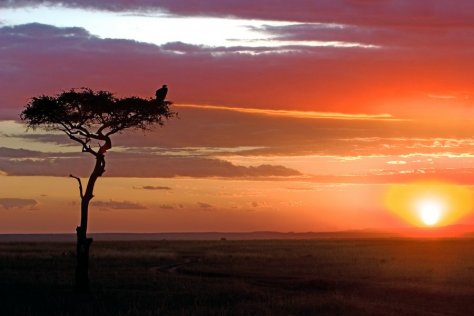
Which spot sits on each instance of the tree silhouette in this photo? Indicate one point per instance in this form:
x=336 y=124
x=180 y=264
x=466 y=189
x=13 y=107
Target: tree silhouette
x=91 y=118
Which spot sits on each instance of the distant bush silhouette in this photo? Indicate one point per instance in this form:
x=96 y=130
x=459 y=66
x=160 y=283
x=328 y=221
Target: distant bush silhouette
x=85 y=116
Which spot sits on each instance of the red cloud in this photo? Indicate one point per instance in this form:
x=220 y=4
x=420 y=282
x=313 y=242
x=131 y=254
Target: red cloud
x=39 y=59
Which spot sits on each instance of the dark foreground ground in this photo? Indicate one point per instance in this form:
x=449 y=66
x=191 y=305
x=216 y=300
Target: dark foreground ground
x=284 y=277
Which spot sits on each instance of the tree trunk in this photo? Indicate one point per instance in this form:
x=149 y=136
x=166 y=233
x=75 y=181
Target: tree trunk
x=84 y=243
x=82 y=267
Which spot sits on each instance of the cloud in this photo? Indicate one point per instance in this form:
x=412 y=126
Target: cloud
x=167 y=207
x=125 y=165
x=240 y=143
x=396 y=162
x=254 y=50
x=294 y=114
x=346 y=80
x=204 y=205
x=60 y=139
x=311 y=101
x=163 y=166
x=43 y=32
x=6 y=152
x=462 y=176
x=8 y=203
x=118 y=205
x=136 y=162
x=200 y=142
x=384 y=36
x=45 y=166
x=216 y=132
x=230 y=127
x=151 y=187
x=300 y=188
x=401 y=12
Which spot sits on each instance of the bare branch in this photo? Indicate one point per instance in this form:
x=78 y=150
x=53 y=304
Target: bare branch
x=85 y=147
x=104 y=126
x=80 y=185
x=81 y=130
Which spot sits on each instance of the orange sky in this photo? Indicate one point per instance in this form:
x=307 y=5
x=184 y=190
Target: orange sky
x=296 y=118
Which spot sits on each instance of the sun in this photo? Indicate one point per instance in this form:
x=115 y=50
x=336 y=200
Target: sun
x=430 y=211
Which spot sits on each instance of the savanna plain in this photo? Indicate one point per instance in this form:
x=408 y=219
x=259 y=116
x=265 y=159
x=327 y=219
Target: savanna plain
x=251 y=277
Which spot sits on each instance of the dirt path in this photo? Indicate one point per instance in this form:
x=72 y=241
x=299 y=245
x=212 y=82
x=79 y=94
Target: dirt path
x=172 y=268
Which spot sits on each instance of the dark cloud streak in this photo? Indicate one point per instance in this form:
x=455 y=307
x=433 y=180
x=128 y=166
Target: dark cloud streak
x=118 y=205
x=140 y=165
x=151 y=187
x=8 y=203
x=442 y=13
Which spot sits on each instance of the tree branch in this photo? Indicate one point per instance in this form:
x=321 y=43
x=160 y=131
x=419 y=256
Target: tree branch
x=85 y=147
x=81 y=130
x=106 y=146
x=80 y=185
x=102 y=128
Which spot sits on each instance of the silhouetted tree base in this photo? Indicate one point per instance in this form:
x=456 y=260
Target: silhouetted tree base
x=82 y=268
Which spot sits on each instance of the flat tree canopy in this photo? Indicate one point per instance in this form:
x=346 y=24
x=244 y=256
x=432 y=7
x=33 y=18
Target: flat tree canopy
x=86 y=114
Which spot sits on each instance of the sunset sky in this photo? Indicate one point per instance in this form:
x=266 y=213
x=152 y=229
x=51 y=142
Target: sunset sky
x=293 y=115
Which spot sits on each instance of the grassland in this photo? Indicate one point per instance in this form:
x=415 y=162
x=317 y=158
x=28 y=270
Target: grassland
x=262 y=277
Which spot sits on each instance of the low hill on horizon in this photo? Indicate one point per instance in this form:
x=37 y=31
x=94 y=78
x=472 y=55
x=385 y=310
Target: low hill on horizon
x=462 y=231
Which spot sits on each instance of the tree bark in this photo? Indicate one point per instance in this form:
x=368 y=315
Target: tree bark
x=83 y=242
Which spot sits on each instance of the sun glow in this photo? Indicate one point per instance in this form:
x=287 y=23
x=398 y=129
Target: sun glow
x=429 y=203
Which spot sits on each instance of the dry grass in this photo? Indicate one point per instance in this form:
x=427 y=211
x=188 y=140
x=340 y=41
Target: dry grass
x=285 y=277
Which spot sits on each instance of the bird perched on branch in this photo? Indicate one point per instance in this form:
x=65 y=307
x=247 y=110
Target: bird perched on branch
x=161 y=93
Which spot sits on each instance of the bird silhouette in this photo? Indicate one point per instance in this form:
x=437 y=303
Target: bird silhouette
x=161 y=93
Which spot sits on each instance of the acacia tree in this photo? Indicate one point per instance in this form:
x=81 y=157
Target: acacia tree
x=90 y=118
